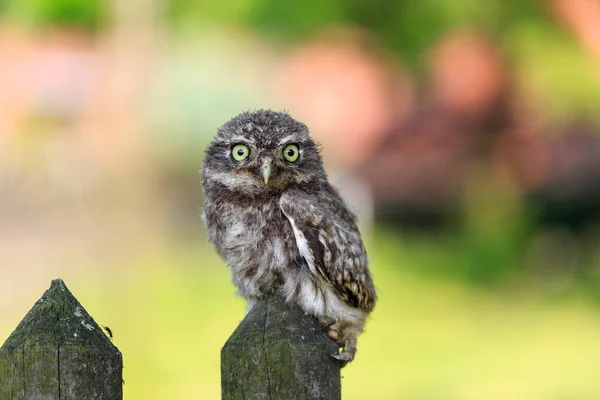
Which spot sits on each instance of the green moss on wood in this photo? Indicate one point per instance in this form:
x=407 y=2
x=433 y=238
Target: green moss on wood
x=58 y=351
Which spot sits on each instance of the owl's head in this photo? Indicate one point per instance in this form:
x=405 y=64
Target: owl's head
x=262 y=151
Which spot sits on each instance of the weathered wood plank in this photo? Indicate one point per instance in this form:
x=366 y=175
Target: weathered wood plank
x=278 y=352
x=59 y=352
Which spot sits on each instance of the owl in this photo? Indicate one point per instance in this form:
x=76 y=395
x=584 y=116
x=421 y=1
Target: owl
x=282 y=228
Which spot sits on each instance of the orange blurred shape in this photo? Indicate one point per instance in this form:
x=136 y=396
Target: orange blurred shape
x=583 y=18
x=345 y=90
x=466 y=71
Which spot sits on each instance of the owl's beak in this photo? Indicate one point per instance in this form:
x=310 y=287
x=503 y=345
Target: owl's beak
x=265 y=168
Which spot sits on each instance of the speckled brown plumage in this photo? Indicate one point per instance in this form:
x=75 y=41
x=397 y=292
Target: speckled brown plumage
x=283 y=229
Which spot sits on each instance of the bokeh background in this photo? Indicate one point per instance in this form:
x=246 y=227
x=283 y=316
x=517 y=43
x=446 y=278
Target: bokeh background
x=465 y=135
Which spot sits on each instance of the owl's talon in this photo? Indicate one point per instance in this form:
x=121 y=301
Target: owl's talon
x=344 y=358
x=329 y=323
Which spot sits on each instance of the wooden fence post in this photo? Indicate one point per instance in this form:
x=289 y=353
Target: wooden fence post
x=278 y=352
x=59 y=352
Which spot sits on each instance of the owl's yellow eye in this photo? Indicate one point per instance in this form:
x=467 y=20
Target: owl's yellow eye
x=291 y=152
x=240 y=152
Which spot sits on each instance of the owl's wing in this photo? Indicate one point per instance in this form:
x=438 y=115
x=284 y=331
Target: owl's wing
x=328 y=239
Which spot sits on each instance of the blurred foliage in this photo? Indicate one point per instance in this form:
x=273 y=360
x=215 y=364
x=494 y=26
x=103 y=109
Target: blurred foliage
x=406 y=27
x=481 y=255
x=545 y=58
x=560 y=74
x=89 y=14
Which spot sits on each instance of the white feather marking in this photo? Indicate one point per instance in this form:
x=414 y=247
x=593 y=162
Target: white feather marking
x=311 y=301
x=233 y=181
x=242 y=139
x=289 y=287
x=288 y=138
x=303 y=247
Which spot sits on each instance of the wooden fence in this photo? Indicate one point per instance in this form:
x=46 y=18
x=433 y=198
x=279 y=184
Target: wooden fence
x=279 y=353
x=58 y=352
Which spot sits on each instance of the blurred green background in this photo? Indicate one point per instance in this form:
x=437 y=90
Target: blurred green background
x=465 y=135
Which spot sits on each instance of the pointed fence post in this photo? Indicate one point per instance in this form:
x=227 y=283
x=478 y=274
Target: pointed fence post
x=58 y=352
x=278 y=352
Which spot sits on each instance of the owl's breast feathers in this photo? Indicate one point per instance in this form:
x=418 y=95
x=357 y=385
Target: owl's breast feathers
x=253 y=236
x=260 y=239
x=329 y=240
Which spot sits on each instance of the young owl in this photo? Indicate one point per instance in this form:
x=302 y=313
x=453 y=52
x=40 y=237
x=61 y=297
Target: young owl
x=283 y=229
